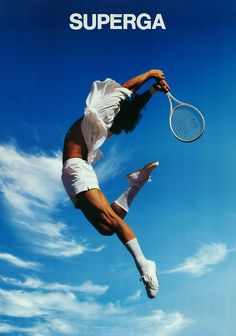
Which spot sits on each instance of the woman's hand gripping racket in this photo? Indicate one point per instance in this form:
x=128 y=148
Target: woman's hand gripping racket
x=186 y=121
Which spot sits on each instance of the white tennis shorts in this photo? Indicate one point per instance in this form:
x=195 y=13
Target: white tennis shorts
x=78 y=176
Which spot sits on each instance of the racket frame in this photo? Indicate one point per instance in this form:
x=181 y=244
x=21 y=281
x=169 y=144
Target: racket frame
x=179 y=103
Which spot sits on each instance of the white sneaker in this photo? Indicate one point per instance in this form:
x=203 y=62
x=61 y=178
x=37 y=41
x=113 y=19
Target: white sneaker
x=142 y=175
x=150 y=280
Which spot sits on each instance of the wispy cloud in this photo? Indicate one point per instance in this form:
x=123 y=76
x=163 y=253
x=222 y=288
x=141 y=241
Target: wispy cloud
x=135 y=297
x=207 y=256
x=18 y=262
x=62 y=313
x=6 y=328
x=112 y=165
x=47 y=328
x=25 y=304
x=33 y=192
x=35 y=283
x=29 y=181
x=53 y=238
x=159 y=323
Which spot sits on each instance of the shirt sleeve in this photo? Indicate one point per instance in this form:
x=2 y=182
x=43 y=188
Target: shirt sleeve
x=104 y=100
x=102 y=105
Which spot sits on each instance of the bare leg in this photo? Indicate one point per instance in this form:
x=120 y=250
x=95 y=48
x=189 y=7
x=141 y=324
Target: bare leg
x=99 y=212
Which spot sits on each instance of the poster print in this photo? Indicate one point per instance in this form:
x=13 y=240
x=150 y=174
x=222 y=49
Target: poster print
x=59 y=276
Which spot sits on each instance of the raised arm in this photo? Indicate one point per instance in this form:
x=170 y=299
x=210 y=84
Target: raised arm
x=130 y=109
x=160 y=85
x=135 y=83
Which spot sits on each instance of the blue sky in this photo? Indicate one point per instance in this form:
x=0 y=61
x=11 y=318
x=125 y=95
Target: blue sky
x=58 y=276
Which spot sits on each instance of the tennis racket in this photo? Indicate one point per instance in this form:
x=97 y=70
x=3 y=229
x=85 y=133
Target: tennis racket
x=186 y=121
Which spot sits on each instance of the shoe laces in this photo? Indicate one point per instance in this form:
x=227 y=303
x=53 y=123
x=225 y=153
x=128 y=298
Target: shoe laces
x=147 y=280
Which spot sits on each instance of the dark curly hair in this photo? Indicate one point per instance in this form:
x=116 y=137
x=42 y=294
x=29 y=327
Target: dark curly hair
x=129 y=115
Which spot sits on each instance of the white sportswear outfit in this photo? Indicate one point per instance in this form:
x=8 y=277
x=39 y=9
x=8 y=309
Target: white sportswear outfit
x=102 y=105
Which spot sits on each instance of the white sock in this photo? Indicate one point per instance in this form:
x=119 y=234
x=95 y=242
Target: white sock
x=125 y=200
x=135 y=250
x=136 y=181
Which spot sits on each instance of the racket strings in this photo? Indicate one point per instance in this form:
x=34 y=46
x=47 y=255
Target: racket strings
x=187 y=123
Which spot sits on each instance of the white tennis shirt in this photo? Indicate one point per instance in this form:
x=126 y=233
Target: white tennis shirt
x=102 y=105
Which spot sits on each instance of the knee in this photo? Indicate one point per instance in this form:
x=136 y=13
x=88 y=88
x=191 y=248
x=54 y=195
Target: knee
x=105 y=231
x=109 y=223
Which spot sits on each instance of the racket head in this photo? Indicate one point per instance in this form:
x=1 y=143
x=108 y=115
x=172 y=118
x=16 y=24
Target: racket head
x=186 y=122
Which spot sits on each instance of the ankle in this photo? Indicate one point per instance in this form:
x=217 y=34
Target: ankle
x=141 y=263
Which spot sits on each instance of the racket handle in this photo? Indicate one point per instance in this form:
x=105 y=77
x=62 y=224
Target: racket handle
x=165 y=91
x=158 y=82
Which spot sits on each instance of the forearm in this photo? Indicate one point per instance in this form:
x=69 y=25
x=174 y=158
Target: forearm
x=135 y=83
x=144 y=97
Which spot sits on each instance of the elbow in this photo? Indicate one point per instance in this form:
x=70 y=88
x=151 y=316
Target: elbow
x=129 y=87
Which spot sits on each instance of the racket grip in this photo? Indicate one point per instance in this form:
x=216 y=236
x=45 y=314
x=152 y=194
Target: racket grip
x=153 y=90
x=159 y=82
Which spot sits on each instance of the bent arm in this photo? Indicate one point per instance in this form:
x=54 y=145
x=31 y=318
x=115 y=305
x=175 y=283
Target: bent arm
x=144 y=97
x=135 y=83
